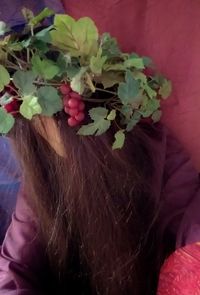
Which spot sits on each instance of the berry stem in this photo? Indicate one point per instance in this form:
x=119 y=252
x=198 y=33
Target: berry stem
x=107 y=91
x=12 y=88
x=40 y=83
x=97 y=99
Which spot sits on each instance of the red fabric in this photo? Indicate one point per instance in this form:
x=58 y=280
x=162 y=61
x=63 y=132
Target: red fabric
x=168 y=31
x=180 y=274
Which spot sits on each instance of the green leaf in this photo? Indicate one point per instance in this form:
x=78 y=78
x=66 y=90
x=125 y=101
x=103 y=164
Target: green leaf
x=15 y=46
x=41 y=46
x=149 y=107
x=114 y=67
x=44 y=67
x=30 y=107
x=97 y=62
x=77 y=83
x=26 y=43
x=3 y=28
x=46 y=12
x=151 y=93
x=88 y=129
x=44 y=35
x=77 y=37
x=109 y=79
x=166 y=89
x=129 y=90
x=3 y=55
x=49 y=100
x=98 y=113
x=119 y=140
x=137 y=75
x=6 y=121
x=100 y=124
x=136 y=62
x=4 y=77
x=24 y=82
x=89 y=82
x=156 y=116
x=133 y=121
x=72 y=71
x=97 y=128
x=127 y=111
x=67 y=66
x=147 y=61
x=109 y=46
x=112 y=115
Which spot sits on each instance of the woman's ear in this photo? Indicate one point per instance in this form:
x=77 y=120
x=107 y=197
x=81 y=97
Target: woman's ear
x=48 y=129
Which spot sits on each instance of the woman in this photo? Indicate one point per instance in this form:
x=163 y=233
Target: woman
x=99 y=222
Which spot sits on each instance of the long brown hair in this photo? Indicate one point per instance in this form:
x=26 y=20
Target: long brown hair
x=95 y=208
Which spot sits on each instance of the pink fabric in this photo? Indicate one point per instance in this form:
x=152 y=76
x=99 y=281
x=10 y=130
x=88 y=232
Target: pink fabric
x=180 y=274
x=168 y=31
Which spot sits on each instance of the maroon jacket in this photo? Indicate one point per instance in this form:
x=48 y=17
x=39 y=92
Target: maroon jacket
x=22 y=260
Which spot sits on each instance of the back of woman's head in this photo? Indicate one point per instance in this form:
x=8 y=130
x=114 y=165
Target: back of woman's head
x=95 y=206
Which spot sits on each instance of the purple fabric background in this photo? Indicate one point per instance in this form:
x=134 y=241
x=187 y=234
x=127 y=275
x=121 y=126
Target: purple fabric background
x=10 y=11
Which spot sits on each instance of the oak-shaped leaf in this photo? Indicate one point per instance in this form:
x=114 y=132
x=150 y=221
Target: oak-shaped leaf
x=79 y=38
x=109 y=45
x=99 y=125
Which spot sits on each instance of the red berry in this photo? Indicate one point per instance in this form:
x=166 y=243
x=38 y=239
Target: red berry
x=80 y=117
x=65 y=100
x=13 y=106
x=66 y=109
x=81 y=106
x=8 y=107
x=66 y=97
x=73 y=112
x=65 y=89
x=72 y=122
x=73 y=103
x=75 y=95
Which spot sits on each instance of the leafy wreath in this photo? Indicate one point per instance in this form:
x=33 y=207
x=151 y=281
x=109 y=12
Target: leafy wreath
x=46 y=69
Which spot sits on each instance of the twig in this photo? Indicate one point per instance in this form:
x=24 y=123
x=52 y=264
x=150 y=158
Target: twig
x=12 y=88
x=40 y=83
x=28 y=55
x=107 y=91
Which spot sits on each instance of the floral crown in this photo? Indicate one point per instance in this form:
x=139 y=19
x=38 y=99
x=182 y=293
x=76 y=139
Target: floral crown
x=67 y=66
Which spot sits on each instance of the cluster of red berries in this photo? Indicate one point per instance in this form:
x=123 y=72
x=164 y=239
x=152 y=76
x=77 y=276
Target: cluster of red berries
x=73 y=105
